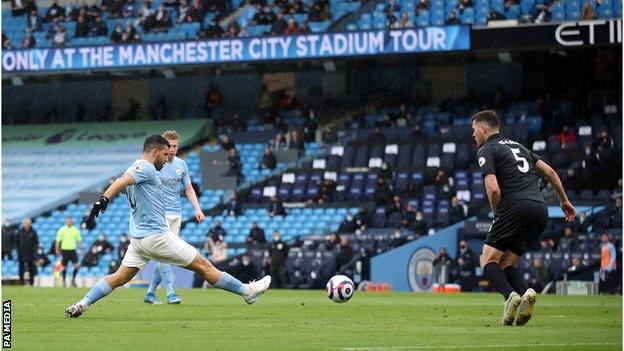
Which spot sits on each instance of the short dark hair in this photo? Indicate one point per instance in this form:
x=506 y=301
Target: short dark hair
x=488 y=117
x=155 y=142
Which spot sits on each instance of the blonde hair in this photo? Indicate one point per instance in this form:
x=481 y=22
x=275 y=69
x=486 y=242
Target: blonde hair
x=171 y=134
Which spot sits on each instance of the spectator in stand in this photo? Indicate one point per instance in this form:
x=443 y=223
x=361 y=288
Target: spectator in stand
x=82 y=27
x=386 y=172
x=217 y=250
x=393 y=6
x=316 y=13
x=276 y=208
x=582 y=225
x=116 y=9
x=215 y=232
x=158 y=21
x=122 y=248
x=569 y=240
x=195 y=14
x=236 y=166
x=326 y=190
x=466 y=265
x=256 y=235
x=608 y=265
x=305 y=28
x=296 y=142
x=579 y=271
x=615 y=219
x=29 y=41
x=361 y=218
x=566 y=136
x=278 y=252
x=234 y=208
x=33 y=21
x=382 y=194
x=393 y=23
x=348 y=225
x=130 y=9
x=332 y=241
x=464 y=4
x=278 y=143
x=396 y=206
x=99 y=28
x=452 y=18
x=91 y=258
x=102 y=245
x=60 y=36
x=310 y=125
x=377 y=137
x=540 y=275
x=18 y=7
x=233 y=30
x=268 y=161
x=144 y=12
x=279 y=125
x=422 y=5
x=408 y=216
x=280 y=24
x=117 y=35
x=6 y=42
x=441 y=181
x=226 y=143
x=26 y=243
x=419 y=225
x=456 y=211
x=246 y=271
x=292 y=27
x=406 y=22
x=417 y=134
x=8 y=241
x=345 y=256
x=130 y=35
x=588 y=12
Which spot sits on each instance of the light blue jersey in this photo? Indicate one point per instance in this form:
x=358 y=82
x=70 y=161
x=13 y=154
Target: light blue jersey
x=171 y=175
x=147 y=204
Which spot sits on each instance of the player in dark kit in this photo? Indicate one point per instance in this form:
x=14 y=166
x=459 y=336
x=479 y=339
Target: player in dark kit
x=511 y=173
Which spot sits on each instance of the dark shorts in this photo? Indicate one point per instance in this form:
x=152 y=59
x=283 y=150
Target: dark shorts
x=516 y=225
x=69 y=256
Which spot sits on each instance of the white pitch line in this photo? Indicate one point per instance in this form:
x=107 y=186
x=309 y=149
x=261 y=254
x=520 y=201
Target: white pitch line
x=456 y=347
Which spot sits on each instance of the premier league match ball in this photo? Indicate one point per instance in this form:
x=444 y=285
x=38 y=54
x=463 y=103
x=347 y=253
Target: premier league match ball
x=340 y=288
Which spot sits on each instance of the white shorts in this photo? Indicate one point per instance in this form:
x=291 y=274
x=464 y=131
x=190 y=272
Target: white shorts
x=166 y=248
x=174 y=222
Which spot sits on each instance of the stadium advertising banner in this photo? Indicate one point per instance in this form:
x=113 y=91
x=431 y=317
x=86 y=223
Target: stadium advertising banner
x=549 y=35
x=94 y=134
x=328 y=45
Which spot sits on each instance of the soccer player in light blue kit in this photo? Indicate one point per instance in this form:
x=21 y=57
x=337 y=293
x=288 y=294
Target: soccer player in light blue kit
x=172 y=174
x=150 y=237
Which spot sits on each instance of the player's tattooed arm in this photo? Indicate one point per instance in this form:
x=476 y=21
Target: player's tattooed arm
x=566 y=206
x=493 y=191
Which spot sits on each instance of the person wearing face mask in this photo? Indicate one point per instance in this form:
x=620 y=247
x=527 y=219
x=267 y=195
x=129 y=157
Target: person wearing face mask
x=91 y=258
x=245 y=270
x=278 y=252
x=348 y=225
x=123 y=246
x=466 y=264
x=419 y=225
x=102 y=245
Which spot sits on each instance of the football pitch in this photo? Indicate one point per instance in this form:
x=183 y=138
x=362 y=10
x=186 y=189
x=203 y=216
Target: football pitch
x=307 y=320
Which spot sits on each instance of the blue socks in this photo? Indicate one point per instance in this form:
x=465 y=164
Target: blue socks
x=98 y=291
x=231 y=284
x=156 y=279
x=164 y=274
x=167 y=277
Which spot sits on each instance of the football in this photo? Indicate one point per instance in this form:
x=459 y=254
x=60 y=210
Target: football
x=340 y=288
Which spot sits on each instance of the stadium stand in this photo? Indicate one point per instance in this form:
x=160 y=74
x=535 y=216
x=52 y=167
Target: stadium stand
x=156 y=21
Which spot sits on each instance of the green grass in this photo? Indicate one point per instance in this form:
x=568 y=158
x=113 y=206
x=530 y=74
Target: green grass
x=307 y=320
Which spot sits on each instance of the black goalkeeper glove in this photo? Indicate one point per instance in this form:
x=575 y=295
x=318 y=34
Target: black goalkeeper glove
x=99 y=206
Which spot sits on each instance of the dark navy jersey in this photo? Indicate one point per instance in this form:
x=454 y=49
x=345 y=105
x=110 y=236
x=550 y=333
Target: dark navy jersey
x=514 y=167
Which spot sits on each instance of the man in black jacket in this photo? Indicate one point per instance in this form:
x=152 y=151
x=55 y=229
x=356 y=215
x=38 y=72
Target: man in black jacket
x=456 y=211
x=269 y=161
x=27 y=242
x=234 y=207
x=8 y=240
x=256 y=235
x=278 y=252
x=276 y=208
x=466 y=264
